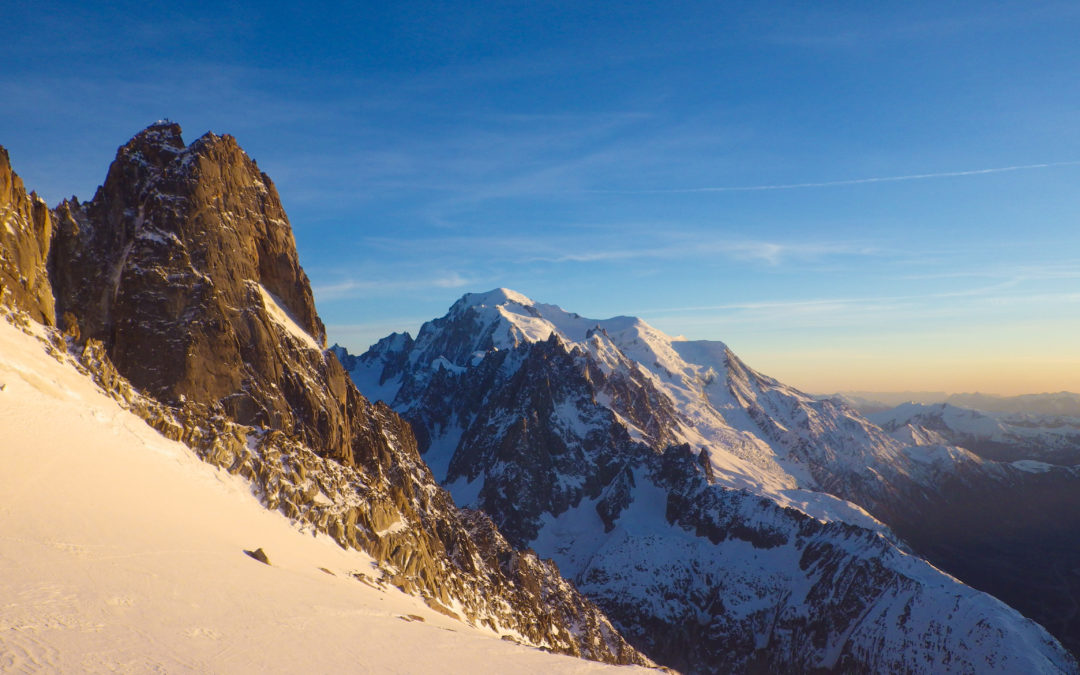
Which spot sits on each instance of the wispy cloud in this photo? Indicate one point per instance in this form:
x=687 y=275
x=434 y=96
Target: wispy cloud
x=590 y=243
x=1016 y=273
x=904 y=312
x=369 y=287
x=851 y=181
x=772 y=253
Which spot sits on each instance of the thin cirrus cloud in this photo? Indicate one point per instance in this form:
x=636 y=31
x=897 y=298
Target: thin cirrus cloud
x=772 y=253
x=585 y=249
x=852 y=181
x=1069 y=269
x=371 y=287
x=853 y=311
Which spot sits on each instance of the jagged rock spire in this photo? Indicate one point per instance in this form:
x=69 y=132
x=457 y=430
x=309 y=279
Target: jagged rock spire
x=184 y=265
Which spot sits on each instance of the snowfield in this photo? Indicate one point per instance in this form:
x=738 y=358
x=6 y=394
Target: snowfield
x=120 y=551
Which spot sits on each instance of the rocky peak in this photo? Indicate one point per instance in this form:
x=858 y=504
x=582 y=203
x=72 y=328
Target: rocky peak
x=160 y=138
x=184 y=266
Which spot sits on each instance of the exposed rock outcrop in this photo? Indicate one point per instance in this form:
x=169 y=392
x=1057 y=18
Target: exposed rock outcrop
x=25 y=237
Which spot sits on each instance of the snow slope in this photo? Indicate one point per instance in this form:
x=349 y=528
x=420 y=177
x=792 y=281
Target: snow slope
x=284 y=319
x=120 y=551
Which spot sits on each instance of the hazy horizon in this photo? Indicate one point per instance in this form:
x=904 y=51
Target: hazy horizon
x=852 y=198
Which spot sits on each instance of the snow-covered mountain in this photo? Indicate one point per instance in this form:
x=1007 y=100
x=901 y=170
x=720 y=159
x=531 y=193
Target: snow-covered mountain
x=756 y=433
x=1000 y=436
x=719 y=517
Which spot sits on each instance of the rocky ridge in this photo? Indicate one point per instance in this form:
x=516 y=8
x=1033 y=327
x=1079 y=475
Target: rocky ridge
x=180 y=293
x=702 y=505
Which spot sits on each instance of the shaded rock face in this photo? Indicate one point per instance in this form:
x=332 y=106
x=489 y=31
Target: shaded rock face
x=25 y=236
x=518 y=455
x=182 y=297
x=1017 y=538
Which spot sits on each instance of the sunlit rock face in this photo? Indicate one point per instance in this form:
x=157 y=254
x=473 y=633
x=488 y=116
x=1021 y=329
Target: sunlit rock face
x=25 y=237
x=184 y=266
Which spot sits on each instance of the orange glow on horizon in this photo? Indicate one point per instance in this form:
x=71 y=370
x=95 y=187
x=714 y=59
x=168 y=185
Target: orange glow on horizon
x=832 y=373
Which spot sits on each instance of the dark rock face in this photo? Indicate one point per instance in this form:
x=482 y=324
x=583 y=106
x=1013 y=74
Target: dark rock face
x=25 y=236
x=182 y=297
x=523 y=460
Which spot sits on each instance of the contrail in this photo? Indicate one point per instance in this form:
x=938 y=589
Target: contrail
x=853 y=181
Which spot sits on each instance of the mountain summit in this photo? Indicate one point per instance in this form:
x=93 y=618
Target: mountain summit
x=184 y=266
x=751 y=430
x=721 y=518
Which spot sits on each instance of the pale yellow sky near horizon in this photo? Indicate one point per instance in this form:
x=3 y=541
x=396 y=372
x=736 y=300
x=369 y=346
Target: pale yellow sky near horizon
x=832 y=372
x=1033 y=354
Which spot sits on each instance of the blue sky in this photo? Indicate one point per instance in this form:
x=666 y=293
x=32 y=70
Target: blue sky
x=595 y=155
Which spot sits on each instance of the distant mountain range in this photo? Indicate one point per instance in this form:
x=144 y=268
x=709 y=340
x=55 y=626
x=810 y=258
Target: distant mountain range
x=1062 y=403
x=1000 y=436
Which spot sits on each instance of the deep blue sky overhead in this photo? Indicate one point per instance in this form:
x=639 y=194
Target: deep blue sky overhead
x=585 y=154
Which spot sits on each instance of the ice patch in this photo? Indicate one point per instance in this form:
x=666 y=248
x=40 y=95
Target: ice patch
x=276 y=309
x=1032 y=466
